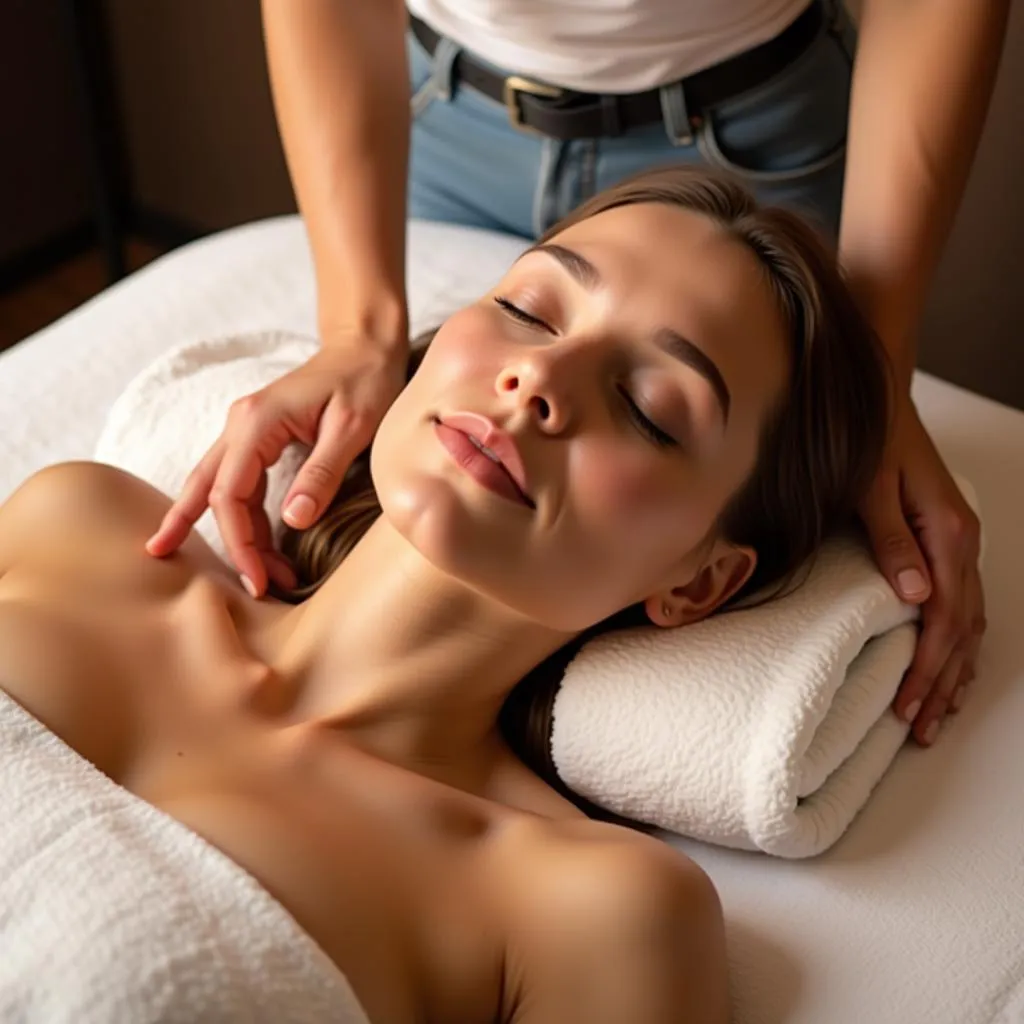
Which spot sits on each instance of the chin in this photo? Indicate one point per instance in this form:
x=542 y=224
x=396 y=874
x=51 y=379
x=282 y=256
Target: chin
x=463 y=533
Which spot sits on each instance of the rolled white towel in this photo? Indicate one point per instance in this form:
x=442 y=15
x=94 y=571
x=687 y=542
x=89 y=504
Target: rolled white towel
x=764 y=728
x=761 y=728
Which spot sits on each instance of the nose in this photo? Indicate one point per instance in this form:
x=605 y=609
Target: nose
x=546 y=380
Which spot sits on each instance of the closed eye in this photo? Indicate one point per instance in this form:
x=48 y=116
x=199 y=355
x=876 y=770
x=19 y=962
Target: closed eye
x=652 y=430
x=521 y=315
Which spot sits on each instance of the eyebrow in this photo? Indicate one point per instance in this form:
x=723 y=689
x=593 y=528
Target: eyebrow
x=671 y=342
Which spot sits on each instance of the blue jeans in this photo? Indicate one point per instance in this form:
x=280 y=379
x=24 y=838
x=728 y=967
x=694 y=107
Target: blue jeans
x=786 y=139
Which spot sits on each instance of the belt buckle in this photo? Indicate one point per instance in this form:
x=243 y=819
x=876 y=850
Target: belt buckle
x=514 y=85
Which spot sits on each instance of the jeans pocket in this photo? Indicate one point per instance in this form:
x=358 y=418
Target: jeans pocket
x=789 y=130
x=713 y=153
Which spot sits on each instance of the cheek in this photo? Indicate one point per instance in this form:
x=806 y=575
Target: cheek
x=635 y=514
x=458 y=351
x=612 y=487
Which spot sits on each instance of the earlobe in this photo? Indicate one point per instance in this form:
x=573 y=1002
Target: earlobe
x=724 y=573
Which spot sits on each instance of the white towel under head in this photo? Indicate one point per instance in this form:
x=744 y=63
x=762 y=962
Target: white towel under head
x=764 y=728
x=761 y=729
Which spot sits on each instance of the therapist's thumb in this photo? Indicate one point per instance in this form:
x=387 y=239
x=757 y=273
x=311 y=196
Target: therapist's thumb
x=320 y=476
x=896 y=549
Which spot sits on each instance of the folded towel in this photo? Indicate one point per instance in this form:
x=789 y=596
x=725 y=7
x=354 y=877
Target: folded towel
x=761 y=728
x=764 y=728
x=164 y=422
x=110 y=910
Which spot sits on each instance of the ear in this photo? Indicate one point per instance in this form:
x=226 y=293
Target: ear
x=724 y=571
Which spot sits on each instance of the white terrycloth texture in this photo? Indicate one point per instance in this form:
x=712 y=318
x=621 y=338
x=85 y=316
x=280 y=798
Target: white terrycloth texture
x=110 y=910
x=916 y=913
x=175 y=409
x=763 y=729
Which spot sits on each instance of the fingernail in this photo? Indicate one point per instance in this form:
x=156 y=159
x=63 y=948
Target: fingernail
x=248 y=584
x=958 y=697
x=911 y=583
x=299 y=511
x=931 y=732
x=912 y=710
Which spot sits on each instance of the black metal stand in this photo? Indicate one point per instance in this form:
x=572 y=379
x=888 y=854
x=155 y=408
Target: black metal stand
x=101 y=120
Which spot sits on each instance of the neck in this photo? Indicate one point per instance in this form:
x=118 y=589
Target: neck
x=404 y=657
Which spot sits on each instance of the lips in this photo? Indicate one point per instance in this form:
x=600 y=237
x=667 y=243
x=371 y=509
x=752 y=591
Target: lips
x=493 y=445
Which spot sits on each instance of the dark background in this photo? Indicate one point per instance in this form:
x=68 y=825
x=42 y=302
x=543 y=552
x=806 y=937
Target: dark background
x=150 y=123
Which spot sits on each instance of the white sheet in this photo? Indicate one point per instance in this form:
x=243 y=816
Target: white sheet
x=917 y=914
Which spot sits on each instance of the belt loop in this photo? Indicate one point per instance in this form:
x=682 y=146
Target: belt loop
x=833 y=11
x=675 y=114
x=610 y=116
x=442 y=74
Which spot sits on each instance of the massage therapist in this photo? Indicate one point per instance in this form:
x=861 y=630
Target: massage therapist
x=505 y=115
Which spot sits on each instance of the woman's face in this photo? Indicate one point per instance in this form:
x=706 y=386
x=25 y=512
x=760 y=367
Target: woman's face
x=631 y=364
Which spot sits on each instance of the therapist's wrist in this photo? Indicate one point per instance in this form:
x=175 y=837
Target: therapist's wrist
x=893 y=318
x=381 y=322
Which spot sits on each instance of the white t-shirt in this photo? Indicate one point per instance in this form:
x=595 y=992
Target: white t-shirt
x=613 y=46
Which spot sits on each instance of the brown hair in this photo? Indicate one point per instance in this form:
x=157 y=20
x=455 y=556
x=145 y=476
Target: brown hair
x=818 y=452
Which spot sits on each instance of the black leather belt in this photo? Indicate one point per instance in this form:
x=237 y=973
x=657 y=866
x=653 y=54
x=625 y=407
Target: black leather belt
x=565 y=114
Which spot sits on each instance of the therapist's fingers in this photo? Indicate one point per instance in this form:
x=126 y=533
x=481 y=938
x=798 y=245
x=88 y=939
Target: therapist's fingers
x=976 y=611
x=895 y=546
x=342 y=434
x=280 y=570
x=251 y=445
x=189 y=506
x=940 y=635
x=277 y=566
x=946 y=633
x=928 y=723
x=973 y=587
x=966 y=678
x=240 y=478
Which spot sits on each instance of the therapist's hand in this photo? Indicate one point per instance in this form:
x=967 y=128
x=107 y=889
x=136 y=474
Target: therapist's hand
x=333 y=404
x=926 y=539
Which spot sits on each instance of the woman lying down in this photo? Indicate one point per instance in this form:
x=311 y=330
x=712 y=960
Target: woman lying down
x=666 y=404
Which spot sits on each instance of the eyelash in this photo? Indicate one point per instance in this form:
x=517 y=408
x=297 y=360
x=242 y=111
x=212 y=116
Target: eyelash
x=651 y=430
x=519 y=314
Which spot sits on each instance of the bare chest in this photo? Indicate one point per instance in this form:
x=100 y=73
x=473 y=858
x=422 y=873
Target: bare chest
x=397 y=878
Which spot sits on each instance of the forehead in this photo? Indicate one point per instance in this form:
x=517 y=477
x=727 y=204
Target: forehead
x=663 y=265
x=671 y=246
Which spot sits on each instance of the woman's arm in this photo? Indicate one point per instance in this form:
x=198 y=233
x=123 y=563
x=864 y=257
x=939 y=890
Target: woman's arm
x=622 y=931
x=340 y=83
x=924 y=74
x=922 y=81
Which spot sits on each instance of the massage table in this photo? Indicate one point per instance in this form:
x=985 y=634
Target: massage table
x=917 y=913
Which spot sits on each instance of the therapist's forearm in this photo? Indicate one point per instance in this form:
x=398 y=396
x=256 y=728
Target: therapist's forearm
x=922 y=82
x=340 y=82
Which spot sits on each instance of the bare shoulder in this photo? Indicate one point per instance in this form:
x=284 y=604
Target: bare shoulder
x=613 y=871
x=616 y=925
x=68 y=499
x=77 y=491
